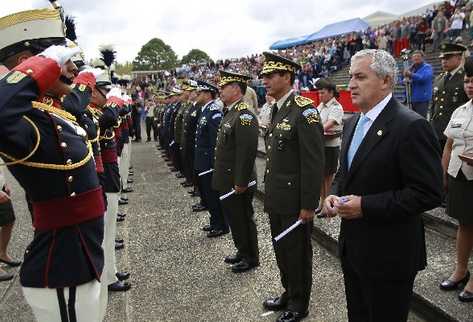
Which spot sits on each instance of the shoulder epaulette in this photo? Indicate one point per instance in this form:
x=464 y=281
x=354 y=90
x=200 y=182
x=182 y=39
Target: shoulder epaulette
x=242 y=106
x=302 y=101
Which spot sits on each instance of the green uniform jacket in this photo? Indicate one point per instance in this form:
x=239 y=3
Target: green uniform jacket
x=235 y=151
x=295 y=158
x=446 y=98
x=178 y=123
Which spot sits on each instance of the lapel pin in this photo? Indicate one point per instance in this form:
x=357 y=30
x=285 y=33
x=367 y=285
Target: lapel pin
x=380 y=132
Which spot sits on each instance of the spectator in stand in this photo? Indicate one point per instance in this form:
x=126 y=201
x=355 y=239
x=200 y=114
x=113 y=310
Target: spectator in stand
x=439 y=27
x=7 y=220
x=458 y=181
x=456 y=24
x=421 y=28
x=264 y=117
x=331 y=115
x=420 y=76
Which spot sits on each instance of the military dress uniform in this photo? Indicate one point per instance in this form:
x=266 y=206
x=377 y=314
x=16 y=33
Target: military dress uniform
x=63 y=263
x=205 y=140
x=293 y=177
x=235 y=155
x=178 y=126
x=448 y=93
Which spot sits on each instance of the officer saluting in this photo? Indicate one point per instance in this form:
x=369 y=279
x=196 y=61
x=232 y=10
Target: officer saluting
x=205 y=140
x=41 y=143
x=235 y=156
x=448 y=88
x=293 y=177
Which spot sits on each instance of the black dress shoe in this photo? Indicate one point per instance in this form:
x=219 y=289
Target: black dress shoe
x=12 y=263
x=232 y=259
x=130 y=181
x=449 y=285
x=198 y=208
x=119 y=246
x=216 y=233
x=124 y=198
x=291 y=316
x=122 y=276
x=122 y=201
x=5 y=276
x=120 y=219
x=275 y=304
x=120 y=241
x=187 y=184
x=207 y=228
x=179 y=176
x=465 y=296
x=243 y=266
x=174 y=170
x=121 y=215
x=127 y=190
x=119 y=286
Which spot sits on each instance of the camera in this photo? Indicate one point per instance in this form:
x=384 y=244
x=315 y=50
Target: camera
x=405 y=53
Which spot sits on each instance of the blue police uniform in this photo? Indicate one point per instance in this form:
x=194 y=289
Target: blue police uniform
x=205 y=140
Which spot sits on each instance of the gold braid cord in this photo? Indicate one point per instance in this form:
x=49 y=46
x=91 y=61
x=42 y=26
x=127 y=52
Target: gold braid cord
x=50 y=166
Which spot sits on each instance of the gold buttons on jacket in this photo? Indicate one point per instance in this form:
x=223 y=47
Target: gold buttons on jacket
x=69 y=161
x=270 y=135
x=73 y=194
x=59 y=128
x=289 y=184
x=267 y=171
x=63 y=145
x=70 y=179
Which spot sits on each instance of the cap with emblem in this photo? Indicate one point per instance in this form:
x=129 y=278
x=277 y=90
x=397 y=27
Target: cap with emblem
x=324 y=83
x=33 y=30
x=204 y=86
x=227 y=77
x=451 y=49
x=274 y=63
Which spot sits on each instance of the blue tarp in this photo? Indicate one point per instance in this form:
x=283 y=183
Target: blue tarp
x=339 y=28
x=287 y=43
x=335 y=29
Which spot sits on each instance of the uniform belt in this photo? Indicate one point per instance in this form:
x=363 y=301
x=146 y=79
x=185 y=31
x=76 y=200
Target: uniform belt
x=109 y=155
x=98 y=163
x=68 y=211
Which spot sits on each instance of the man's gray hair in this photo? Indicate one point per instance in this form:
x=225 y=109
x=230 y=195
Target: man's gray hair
x=383 y=64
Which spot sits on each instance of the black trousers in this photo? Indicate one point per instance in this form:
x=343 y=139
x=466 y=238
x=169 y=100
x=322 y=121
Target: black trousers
x=211 y=198
x=137 y=127
x=372 y=299
x=198 y=184
x=421 y=108
x=188 y=163
x=238 y=209
x=294 y=259
x=151 y=125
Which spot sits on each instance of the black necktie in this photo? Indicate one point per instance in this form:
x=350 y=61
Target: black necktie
x=274 y=111
x=447 y=77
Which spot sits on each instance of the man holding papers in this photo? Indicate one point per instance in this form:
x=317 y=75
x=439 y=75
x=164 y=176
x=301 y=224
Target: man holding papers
x=235 y=156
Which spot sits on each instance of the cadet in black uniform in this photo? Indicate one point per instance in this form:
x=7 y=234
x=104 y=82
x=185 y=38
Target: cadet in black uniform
x=235 y=155
x=205 y=139
x=293 y=177
x=42 y=144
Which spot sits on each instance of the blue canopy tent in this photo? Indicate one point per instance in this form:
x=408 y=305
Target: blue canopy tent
x=287 y=43
x=338 y=28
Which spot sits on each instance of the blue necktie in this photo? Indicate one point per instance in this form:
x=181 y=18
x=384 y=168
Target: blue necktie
x=357 y=138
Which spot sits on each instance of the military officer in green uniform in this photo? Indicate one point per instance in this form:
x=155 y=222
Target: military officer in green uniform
x=234 y=168
x=178 y=126
x=448 y=93
x=293 y=178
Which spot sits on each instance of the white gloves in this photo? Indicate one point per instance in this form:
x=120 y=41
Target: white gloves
x=94 y=71
x=60 y=54
x=115 y=92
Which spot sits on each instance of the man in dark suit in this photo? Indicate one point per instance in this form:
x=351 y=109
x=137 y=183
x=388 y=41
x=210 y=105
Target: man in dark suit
x=390 y=172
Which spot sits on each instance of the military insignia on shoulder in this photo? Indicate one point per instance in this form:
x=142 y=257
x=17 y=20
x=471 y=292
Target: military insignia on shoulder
x=242 y=106
x=217 y=116
x=15 y=77
x=214 y=107
x=194 y=114
x=245 y=119
x=311 y=115
x=302 y=101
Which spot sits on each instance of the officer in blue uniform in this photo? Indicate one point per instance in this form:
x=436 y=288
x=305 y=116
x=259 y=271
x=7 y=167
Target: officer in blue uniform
x=205 y=140
x=41 y=143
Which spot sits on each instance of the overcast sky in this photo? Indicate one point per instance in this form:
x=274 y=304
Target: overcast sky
x=221 y=28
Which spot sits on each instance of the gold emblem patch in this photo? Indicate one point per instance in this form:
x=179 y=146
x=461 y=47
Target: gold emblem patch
x=15 y=77
x=303 y=101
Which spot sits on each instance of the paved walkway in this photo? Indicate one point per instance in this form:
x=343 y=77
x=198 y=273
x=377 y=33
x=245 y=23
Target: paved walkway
x=178 y=274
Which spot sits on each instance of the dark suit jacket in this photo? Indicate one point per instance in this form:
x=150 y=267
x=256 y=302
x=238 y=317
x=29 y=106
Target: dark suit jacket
x=397 y=171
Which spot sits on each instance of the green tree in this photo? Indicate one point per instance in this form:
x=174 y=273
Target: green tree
x=195 y=55
x=155 y=55
x=123 y=69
